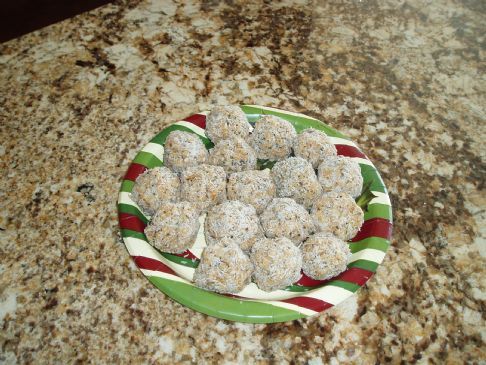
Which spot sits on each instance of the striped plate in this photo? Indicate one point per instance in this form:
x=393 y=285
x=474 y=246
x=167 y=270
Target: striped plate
x=172 y=274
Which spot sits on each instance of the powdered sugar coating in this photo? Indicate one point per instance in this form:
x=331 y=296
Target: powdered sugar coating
x=155 y=186
x=225 y=122
x=223 y=268
x=337 y=213
x=277 y=263
x=254 y=187
x=295 y=178
x=324 y=256
x=233 y=155
x=272 y=138
x=183 y=149
x=174 y=227
x=283 y=217
x=203 y=185
x=314 y=146
x=340 y=174
x=234 y=220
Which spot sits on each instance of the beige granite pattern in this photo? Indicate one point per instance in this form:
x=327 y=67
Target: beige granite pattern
x=405 y=79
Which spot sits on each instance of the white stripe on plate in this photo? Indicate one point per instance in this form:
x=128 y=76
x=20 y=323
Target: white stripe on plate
x=164 y=275
x=155 y=149
x=369 y=254
x=138 y=247
x=204 y=112
x=192 y=127
x=126 y=198
x=200 y=242
x=337 y=140
x=331 y=294
x=282 y=111
x=364 y=161
x=251 y=291
x=381 y=198
x=305 y=311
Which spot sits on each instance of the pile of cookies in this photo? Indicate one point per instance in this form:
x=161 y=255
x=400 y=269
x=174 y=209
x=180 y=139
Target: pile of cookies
x=261 y=225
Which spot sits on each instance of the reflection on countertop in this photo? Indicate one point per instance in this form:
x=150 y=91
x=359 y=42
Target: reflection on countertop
x=404 y=79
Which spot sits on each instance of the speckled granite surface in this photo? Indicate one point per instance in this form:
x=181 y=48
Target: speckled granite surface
x=405 y=79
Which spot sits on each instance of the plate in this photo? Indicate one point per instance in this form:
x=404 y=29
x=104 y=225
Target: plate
x=172 y=273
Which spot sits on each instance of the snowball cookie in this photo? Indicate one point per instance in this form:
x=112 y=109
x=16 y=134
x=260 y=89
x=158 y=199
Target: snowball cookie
x=252 y=187
x=203 y=185
x=233 y=155
x=340 y=174
x=225 y=122
x=154 y=186
x=337 y=213
x=314 y=146
x=283 y=217
x=223 y=268
x=295 y=178
x=183 y=149
x=272 y=138
x=277 y=263
x=174 y=227
x=324 y=256
x=235 y=220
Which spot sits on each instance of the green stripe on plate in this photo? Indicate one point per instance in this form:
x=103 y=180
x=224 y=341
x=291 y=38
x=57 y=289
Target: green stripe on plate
x=344 y=284
x=299 y=288
x=299 y=122
x=127 y=186
x=180 y=260
x=377 y=243
x=364 y=264
x=221 y=306
x=370 y=174
x=130 y=209
x=378 y=211
x=134 y=234
x=160 y=138
x=147 y=159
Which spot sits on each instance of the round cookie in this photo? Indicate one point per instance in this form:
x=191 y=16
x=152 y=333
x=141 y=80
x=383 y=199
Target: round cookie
x=225 y=122
x=233 y=155
x=223 y=268
x=314 y=146
x=340 y=174
x=182 y=150
x=283 y=217
x=324 y=256
x=174 y=227
x=234 y=220
x=252 y=187
x=277 y=263
x=295 y=178
x=204 y=185
x=155 y=186
x=337 y=213
x=272 y=138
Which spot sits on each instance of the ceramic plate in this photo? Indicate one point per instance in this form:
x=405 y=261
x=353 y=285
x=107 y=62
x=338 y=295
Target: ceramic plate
x=172 y=274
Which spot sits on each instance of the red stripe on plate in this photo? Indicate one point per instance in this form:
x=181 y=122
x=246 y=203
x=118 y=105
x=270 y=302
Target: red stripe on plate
x=308 y=281
x=151 y=264
x=129 y=221
x=375 y=227
x=350 y=151
x=355 y=275
x=197 y=119
x=134 y=171
x=187 y=255
x=309 y=303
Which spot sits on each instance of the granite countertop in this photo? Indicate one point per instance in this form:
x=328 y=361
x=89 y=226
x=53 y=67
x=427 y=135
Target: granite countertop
x=78 y=99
